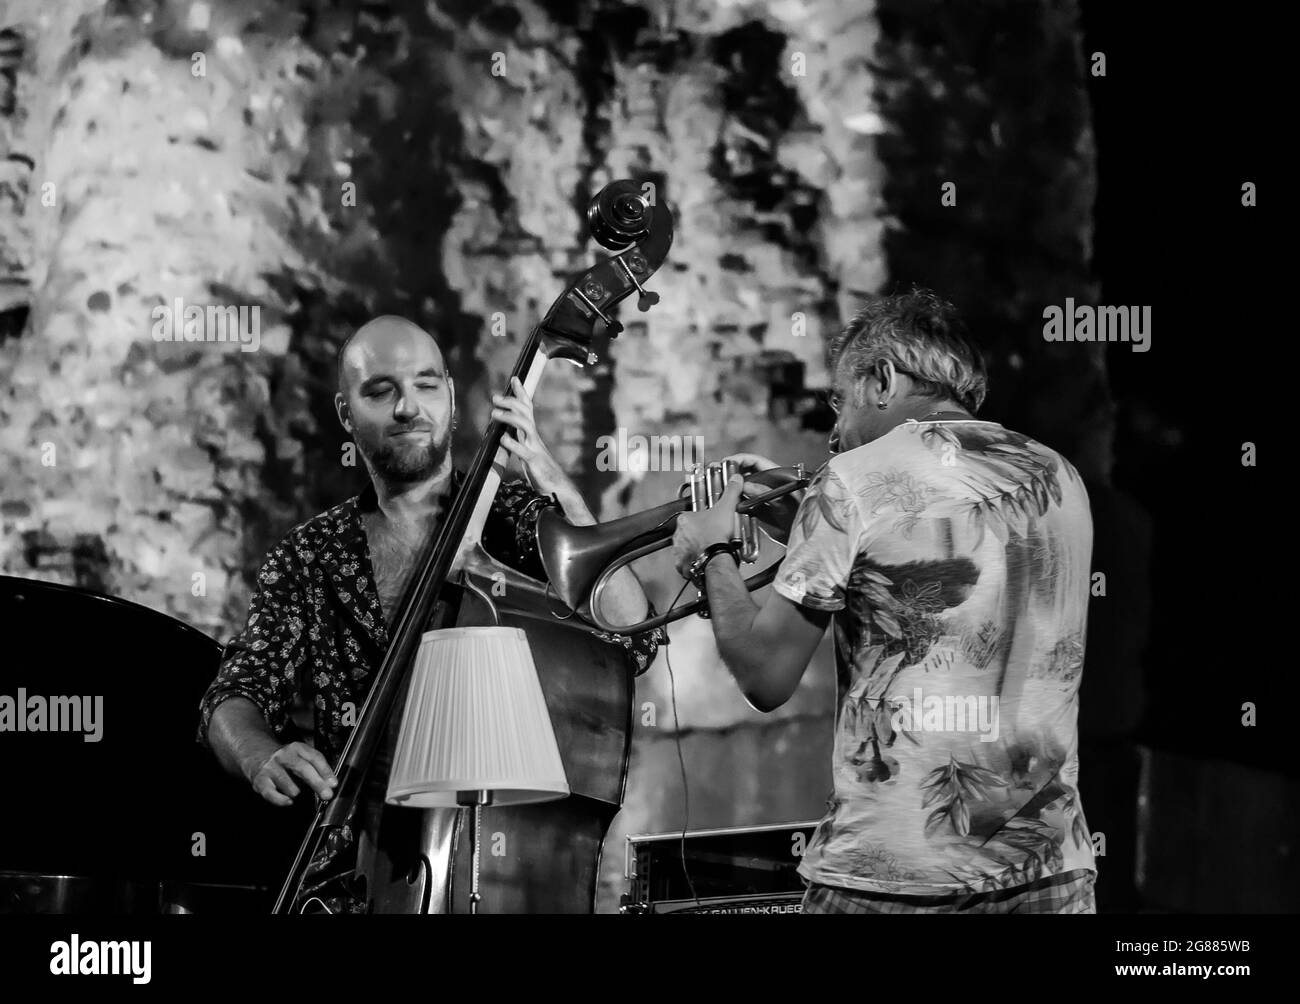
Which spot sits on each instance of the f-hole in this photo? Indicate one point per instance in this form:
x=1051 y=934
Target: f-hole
x=422 y=866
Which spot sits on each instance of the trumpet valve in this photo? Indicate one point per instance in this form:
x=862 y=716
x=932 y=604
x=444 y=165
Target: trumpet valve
x=699 y=488
x=717 y=483
x=748 y=539
x=744 y=531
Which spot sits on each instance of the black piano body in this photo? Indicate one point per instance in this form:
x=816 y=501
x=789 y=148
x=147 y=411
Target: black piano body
x=140 y=819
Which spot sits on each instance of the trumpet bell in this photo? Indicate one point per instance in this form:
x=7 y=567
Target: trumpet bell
x=576 y=557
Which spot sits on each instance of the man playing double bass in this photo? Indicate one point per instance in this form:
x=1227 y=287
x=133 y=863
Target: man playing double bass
x=955 y=556
x=329 y=592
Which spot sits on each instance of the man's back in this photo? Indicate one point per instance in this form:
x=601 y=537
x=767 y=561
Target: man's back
x=961 y=639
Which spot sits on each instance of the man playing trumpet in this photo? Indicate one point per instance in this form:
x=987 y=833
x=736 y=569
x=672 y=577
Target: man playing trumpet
x=954 y=555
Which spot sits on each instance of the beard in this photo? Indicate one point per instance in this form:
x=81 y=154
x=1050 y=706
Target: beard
x=399 y=462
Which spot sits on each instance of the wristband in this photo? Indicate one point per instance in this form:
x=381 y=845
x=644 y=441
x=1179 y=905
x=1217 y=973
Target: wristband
x=701 y=563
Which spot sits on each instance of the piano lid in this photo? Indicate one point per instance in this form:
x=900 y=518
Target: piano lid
x=102 y=776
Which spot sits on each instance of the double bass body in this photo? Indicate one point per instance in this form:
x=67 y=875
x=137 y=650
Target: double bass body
x=541 y=858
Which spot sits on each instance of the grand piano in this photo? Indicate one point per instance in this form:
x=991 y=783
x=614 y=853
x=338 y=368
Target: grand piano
x=142 y=821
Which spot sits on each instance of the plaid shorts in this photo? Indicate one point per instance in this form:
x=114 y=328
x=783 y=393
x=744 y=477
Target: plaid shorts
x=1070 y=892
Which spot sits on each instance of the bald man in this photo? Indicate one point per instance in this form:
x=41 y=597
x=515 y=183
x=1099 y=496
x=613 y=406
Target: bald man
x=329 y=592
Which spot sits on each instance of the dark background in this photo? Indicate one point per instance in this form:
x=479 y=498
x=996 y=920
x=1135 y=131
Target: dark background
x=1188 y=111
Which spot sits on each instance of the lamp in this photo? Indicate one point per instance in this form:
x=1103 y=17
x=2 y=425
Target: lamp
x=476 y=730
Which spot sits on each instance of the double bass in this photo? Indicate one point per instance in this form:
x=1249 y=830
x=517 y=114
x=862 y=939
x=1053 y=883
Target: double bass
x=379 y=858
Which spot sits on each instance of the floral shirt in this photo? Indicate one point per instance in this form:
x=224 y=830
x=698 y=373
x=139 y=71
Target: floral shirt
x=956 y=556
x=316 y=629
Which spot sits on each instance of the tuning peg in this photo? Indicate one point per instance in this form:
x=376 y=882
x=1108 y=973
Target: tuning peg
x=647 y=299
x=605 y=324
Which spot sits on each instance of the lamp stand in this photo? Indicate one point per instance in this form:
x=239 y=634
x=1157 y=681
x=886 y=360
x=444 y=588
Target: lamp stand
x=476 y=800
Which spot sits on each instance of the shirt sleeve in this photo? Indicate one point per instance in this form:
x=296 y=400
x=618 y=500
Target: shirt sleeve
x=510 y=536
x=262 y=662
x=510 y=530
x=822 y=546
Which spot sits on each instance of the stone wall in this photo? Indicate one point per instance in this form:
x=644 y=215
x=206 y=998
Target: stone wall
x=326 y=163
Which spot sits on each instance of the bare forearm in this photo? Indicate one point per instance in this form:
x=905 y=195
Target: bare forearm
x=240 y=736
x=574 y=508
x=732 y=610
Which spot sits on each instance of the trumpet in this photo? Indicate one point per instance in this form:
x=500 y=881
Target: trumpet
x=580 y=560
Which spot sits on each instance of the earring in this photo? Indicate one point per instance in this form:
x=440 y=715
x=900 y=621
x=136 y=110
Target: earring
x=882 y=405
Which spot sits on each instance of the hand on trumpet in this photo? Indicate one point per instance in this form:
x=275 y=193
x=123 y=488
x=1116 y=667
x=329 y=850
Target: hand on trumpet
x=715 y=525
x=752 y=462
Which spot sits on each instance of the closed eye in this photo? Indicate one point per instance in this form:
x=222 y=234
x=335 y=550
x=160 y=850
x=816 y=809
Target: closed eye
x=423 y=385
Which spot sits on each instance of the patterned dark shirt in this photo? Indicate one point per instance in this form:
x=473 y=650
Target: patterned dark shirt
x=315 y=625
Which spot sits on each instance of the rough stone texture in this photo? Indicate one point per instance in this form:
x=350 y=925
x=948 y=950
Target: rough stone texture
x=802 y=146
x=169 y=459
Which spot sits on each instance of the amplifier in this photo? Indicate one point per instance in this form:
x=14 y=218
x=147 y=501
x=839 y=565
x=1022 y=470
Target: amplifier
x=744 y=869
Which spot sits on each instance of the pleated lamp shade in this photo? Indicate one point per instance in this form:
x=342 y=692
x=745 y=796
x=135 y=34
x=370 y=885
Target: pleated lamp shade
x=475 y=720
